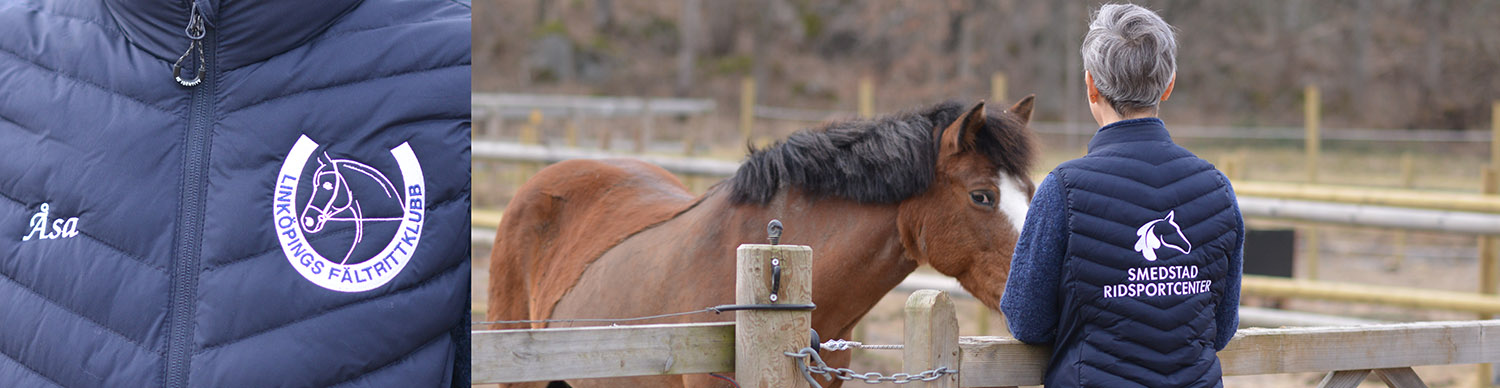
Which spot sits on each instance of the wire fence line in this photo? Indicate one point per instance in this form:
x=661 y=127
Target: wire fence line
x=513 y=106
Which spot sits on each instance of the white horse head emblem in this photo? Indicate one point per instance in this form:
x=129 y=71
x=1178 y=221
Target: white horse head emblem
x=1150 y=240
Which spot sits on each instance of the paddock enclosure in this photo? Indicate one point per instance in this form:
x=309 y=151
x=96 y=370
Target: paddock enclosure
x=1379 y=245
x=757 y=346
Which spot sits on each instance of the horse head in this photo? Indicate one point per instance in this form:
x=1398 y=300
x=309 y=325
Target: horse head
x=1150 y=240
x=967 y=222
x=330 y=195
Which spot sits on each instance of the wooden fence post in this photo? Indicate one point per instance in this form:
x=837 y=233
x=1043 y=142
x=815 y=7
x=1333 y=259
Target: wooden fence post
x=761 y=336
x=1487 y=258
x=1311 y=237
x=1311 y=117
x=494 y=123
x=1311 y=110
x=643 y=134
x=1408 y=181
x=690 y=135
x=931 y=336
x=530 y=134
x=866 y=98
x=571 y=131
x=747 y=107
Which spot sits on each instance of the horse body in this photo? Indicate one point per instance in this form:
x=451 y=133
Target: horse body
x=621 y=238
x=564 y=217
x=857 y=261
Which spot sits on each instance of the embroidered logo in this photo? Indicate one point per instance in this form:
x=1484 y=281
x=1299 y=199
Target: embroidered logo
x=1150 y=240
x=59 y=228
x=1160 y=280
x=343 y=224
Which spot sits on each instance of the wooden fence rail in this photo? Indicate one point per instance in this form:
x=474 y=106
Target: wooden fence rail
x=503 y=105
x=509 y=356
x=751 y=346
x=999 y=361
x=931 y=326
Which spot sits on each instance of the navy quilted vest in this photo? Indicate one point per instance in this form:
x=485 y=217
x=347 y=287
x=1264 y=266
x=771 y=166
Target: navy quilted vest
x=1152 y=226
x=160 y=235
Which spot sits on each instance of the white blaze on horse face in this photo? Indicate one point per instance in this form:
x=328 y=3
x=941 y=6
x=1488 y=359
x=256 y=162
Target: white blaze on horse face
x=1013 y=201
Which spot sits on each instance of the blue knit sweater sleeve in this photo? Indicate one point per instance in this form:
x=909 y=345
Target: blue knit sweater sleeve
x=1030 y=302
x=1228 y=312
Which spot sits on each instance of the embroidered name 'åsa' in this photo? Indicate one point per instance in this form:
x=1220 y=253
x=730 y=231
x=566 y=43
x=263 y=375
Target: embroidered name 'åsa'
x=60 y=228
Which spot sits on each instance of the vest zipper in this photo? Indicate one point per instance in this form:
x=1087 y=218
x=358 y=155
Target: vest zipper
x=194 y=176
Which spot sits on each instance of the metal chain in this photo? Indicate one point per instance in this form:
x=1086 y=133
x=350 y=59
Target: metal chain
x=835 y=345
x=846 y=374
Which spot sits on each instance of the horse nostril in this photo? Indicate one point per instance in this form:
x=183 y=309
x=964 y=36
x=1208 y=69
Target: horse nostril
x=311 y=222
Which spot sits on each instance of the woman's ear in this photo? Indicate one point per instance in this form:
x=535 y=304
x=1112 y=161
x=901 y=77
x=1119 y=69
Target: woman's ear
x=1093 y=92
x=1170 y=85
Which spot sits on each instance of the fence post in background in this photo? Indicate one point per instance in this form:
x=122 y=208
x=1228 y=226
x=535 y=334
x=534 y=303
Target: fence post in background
x=1408 y=181
x=530 y=134
x=572 y=130
x=931 y=338
x=1311 y=264
x=690 y=135
x=494 y=124
x=1240 y=156
x=1487 y=265
x=1311 y=110
x=643 y=134
x=1227 y=166
x=997 y=88
x=866 y=97
x=1313 y=145
x=982 y=314
x=760 y=336
x=747 y=108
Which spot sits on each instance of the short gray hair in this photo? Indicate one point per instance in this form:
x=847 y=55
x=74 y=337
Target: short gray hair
x=1132 y=54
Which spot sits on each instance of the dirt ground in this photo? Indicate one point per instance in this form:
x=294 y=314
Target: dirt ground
x=1346 y=254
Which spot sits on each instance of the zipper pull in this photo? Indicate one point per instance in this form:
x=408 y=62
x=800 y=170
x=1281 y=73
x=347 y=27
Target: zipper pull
x=195 y=32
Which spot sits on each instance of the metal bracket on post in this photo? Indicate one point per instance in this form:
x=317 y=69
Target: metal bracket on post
x=775 y=278
x=773 y=235
x=773 y=232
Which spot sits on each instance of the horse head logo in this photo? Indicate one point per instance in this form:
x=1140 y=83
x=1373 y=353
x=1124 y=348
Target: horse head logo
x=333 y=199
x=1150 y=240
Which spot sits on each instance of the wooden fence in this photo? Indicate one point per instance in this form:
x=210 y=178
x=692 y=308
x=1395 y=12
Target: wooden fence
x=1348 y=354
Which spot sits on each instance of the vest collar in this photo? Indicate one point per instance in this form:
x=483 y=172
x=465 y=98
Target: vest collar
x=1132 y=130
x=247 y=31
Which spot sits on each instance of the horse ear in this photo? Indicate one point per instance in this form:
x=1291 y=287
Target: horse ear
x=1171 y=214
x=1022 y=108
x=959 y=136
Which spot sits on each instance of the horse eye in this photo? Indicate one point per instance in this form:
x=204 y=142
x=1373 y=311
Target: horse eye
x=982 y=198
x=327 y=185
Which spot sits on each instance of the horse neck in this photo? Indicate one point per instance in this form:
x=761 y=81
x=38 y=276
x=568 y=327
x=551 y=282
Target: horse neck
x=857 y=252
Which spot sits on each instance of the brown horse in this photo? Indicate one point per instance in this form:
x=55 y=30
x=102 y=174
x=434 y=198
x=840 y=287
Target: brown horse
x=943 y=186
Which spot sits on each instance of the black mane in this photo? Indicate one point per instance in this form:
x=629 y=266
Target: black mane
x=884 y=160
